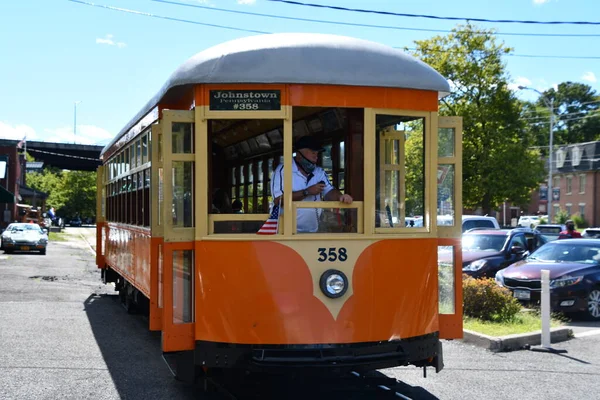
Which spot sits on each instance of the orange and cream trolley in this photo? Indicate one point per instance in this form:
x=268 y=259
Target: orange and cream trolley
x=365 y=290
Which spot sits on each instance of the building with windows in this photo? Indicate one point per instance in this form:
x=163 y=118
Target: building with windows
x=576 y=183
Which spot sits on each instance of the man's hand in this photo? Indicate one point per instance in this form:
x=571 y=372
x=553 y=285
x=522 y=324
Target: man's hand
x=346 y=198
x=315 y=189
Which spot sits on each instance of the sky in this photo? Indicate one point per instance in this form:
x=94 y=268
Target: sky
x=62 y=60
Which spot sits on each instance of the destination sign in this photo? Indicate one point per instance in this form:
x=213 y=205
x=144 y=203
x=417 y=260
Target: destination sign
x=245 y=100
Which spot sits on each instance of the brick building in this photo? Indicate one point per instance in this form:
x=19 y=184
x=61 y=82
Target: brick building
x=576 y=186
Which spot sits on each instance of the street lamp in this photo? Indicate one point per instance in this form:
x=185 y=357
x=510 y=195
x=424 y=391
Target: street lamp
x=551 y=109
x=75 y=119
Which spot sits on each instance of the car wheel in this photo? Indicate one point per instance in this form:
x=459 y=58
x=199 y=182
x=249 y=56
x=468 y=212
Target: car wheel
x=593 y=301
x=43 y=252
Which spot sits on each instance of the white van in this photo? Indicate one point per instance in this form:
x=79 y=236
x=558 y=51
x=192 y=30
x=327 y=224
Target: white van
x=478 y=221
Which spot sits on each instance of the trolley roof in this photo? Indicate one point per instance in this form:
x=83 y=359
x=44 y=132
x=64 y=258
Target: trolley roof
x=299 y=58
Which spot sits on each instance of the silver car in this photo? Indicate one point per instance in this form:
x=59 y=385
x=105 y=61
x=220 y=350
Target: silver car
x=24 y=237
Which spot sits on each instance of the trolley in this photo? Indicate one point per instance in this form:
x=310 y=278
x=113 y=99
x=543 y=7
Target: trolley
x=365 y=290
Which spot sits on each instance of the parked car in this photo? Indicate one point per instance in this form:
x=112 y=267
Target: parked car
x=551 y=231
x=486 y=251
x=529 y=221
x=413 y=222
x=24 y=237
x=76 y=221
x=574 y=276
x=478 y=221
x=591 y=233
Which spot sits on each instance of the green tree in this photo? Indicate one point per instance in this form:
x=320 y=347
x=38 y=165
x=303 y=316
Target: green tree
x=498 y=163
x=49 y=181
x=70 y=192
x=576 y=106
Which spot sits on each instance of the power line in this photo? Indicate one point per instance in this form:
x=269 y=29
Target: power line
x=544 y=108
x=63 y=155
x=510 y=21
x=511 y=54
x=400 y=28
x=167 y=18
x=265 y=32
x=543 y=120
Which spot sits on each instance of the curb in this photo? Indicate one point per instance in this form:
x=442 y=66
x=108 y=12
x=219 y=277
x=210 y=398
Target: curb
x=515 y=342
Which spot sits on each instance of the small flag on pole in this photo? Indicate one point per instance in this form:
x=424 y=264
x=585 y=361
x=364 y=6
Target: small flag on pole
x=270 y=227
x=21 y=143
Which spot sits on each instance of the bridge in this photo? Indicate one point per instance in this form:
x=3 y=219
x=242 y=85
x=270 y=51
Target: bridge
x=75 y=157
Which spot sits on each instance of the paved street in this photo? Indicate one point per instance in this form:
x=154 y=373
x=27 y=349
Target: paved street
x=63 y=335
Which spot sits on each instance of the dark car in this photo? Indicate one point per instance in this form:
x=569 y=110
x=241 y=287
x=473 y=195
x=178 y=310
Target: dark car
x=551 y=231
x=486 y=251
x=574 y=276
x=75 y=221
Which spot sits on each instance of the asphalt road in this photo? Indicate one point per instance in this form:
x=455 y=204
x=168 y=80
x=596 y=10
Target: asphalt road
x=63 y=335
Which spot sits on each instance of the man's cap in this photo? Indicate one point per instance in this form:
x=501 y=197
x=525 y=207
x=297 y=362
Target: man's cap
x=308 y=142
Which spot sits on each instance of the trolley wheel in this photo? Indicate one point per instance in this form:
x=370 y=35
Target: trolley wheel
x=126 y=299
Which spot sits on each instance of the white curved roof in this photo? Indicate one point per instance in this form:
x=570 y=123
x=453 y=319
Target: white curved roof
x=304 y=59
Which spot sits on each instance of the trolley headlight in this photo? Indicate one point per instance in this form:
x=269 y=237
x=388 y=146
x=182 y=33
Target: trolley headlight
x=333 y=283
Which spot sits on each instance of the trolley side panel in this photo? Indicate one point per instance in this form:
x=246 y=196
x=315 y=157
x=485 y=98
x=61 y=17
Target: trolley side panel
x=128 y=253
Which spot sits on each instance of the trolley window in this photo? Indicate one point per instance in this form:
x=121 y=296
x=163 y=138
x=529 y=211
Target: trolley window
x=400 y=171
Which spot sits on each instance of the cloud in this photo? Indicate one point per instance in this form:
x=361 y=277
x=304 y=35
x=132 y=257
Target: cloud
x=17 y=132
x=540 y=2
x=590 y=77
x=108 y=39
x=246 y=2
x=86 y=134
x=519 y=81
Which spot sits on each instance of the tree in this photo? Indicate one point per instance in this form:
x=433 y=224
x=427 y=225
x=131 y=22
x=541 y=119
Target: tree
x=498 y=163
x=577 y=107
x=70 y=192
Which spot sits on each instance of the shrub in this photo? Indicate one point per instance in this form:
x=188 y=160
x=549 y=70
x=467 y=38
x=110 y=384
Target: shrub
x=579 y=221
x=485 y=300
x=561 y=217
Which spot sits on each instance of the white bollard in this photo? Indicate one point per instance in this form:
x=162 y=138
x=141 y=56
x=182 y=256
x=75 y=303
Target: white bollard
x=545 y=300
x=545 y=304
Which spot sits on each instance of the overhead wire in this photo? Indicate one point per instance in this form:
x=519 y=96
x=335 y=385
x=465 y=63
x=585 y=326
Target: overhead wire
x=62 y=155
x=544 y=120
x=126 y=10
x=436 y=17
x=362 y=25
x=146 y=14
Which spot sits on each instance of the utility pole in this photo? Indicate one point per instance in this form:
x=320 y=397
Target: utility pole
x=75 y=120
x=551 y=109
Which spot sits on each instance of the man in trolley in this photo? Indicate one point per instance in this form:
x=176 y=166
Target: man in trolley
x=309 y=183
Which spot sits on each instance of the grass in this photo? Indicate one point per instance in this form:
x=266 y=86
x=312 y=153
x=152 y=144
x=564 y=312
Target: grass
x=58 y=237
x=524 y=322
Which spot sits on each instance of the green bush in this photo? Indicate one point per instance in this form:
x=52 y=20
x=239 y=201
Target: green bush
x=485 y=300
x=561 y=217
x=580 y=222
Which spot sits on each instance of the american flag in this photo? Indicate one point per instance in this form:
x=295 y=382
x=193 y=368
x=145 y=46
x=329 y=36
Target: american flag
x=270 y=227
x=21 y=143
